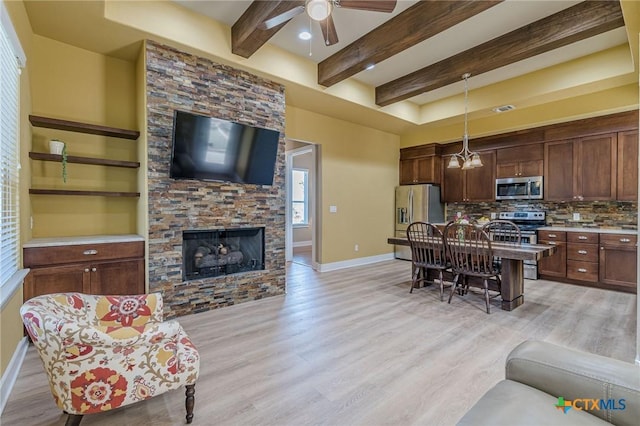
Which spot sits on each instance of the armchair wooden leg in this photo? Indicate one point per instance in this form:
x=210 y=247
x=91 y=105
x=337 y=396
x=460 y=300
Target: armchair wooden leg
x=73 y=420
x=189 y=402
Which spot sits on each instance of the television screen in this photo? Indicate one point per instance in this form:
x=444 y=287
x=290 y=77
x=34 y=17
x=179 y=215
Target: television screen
x=208 y=148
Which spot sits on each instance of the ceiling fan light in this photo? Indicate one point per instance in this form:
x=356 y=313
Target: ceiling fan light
x=318 y=10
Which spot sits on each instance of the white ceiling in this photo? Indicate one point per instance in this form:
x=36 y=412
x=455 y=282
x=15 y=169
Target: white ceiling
x=353 y=24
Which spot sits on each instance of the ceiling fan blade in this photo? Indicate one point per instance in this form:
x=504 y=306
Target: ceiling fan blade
x=329 y=33
x=281 y=19
x=372 y=5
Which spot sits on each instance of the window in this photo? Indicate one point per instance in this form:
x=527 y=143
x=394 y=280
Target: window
x=11 y=56
x=300 y=196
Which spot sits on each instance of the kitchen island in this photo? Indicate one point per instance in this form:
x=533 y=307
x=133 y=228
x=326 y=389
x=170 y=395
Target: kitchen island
x=512 y=273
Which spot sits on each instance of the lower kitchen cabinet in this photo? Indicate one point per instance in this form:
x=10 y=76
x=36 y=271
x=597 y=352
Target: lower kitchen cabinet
x=98 y=268
x=618 y=260
x=555 y=265
x=582 y=256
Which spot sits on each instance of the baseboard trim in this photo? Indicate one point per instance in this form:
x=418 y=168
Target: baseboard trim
x=302 y=243
x=325 y=267
x=11 y=372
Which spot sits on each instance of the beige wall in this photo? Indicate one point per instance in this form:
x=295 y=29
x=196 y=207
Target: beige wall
x=359 y=171
x=78 y=85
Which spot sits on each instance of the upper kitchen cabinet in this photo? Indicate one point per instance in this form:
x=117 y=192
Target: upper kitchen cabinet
x=420 y=164
x=582 y=169
x=627 y=166
x=477 y=184
x=520 y=161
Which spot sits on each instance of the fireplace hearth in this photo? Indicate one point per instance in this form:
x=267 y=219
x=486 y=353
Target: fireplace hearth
x=214 y=253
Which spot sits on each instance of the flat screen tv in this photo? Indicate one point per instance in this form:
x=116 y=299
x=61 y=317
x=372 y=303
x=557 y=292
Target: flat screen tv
x=208 y=148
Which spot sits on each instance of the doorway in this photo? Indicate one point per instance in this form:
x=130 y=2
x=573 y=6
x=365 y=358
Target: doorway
x=301 y=217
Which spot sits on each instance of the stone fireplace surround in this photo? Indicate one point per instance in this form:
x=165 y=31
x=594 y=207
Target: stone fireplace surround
x=179 y=80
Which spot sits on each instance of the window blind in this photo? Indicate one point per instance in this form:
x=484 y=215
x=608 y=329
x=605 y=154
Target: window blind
x=9 y=159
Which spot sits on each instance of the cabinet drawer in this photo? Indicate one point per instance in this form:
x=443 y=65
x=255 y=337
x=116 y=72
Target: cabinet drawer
x=552 y=236
x=582 y=252
x=582 y=271
x=58 y=255
x=618 y=240
x=582 y=237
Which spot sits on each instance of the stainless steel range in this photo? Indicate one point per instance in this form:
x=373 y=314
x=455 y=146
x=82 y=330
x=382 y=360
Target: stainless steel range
x=529 y=222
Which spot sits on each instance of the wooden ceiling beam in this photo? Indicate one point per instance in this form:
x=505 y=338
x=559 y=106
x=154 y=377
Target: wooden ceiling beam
x=576 y=23
x=416 y=24
x=246 y=37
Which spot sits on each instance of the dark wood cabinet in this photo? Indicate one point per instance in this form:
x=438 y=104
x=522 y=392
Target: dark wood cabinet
x=522 y=161
x=582 y=256
x=627 y=171
x=420 y=165
x=583 y=169
x=477 y=184
x=617 y=260
x=555 y=265
x=102 y=268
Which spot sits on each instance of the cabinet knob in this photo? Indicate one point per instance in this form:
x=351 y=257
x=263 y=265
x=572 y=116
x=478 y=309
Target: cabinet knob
x=93 y=269
x=86 y=269
x=582 y=252
x=624 y=240
x=90 y=252
x=582 y=270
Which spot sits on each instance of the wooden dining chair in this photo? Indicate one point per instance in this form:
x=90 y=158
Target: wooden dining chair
x=469 y=250
x=503 y=231
x=427 y=252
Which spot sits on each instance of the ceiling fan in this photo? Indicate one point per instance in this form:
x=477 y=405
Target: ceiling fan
x=321 y=11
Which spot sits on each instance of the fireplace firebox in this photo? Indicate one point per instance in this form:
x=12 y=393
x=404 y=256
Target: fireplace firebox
x=214 y=253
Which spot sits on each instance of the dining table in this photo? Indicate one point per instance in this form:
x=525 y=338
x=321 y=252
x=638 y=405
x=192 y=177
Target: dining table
x=512 y=267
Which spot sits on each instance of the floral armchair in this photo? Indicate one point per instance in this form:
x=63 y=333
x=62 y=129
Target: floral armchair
x=104 y=352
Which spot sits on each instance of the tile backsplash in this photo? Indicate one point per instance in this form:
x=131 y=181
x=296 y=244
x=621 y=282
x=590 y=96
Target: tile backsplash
x=593 y=214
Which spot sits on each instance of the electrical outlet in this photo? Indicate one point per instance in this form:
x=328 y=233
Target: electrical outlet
x=576 y=217
x=333 y=209
x=356 y=248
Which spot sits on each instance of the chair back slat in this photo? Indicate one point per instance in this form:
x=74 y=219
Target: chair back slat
x=469 y=249
x=503 y=231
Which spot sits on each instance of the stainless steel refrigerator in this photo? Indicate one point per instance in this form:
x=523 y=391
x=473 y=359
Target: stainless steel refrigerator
x=416 y=203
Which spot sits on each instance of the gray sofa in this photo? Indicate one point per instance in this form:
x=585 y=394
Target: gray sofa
x=538 y=373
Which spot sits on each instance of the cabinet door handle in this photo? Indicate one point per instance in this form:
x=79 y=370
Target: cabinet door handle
x=582 y=237
x=582 y=251
x=93 y=269
x=551 y=243
x=582 y=270
x=86 y=269
x=89 y=252
x=624 y=240
x=553 y=236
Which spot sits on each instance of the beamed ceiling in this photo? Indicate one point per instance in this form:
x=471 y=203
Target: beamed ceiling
x=422 y=21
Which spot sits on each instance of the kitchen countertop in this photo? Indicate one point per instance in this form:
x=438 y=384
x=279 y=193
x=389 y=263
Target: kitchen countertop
x=596 y=230
x=90 y=239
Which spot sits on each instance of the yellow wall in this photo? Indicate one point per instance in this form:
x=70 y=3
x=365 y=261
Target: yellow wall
x=10 y=323
x=78 y=85
x=359 y=171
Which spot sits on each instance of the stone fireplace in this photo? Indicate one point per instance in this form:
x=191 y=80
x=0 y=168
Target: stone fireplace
x=176 y=80
x=221 y=252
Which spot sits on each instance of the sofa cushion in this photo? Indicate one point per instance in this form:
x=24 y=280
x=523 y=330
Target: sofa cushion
x=513 y=403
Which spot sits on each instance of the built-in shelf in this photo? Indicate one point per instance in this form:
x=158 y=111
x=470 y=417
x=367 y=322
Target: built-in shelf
x=74 y=126
x=83 y=160
x=73 y=192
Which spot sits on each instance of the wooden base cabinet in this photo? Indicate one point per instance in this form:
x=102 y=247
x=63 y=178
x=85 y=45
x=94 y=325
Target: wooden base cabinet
x=582 y=256
x=555 y=265
x=618 y=265
x=103 y=268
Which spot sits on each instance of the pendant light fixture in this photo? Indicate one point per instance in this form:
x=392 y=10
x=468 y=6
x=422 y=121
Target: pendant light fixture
x=469 y=158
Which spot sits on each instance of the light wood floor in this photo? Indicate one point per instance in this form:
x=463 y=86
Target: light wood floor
x=353 y=347
x=302 y=255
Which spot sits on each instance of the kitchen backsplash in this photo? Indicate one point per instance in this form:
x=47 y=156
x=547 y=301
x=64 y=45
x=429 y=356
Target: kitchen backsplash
x=594 y=214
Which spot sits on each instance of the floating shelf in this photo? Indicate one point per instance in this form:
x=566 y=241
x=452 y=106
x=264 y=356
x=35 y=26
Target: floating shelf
x=72 y=192
x=74 y=126
x=84 y=160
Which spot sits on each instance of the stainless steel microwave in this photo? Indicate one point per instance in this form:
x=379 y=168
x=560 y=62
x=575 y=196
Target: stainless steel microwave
x=519 y=188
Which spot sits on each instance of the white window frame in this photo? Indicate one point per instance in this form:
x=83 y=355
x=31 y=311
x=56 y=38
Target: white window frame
x=12 y=58
x=305 y=201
